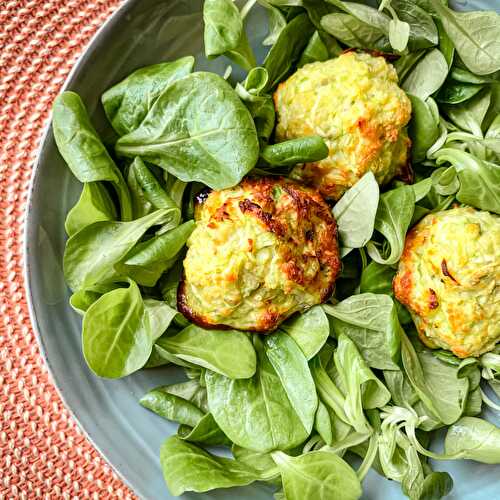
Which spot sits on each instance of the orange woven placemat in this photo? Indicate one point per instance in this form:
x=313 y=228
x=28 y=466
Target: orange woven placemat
x=42 y=452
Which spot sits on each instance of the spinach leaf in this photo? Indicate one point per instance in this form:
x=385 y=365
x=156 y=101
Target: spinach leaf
x=316 y=10
x=329 y=393
x=377 y=278
x=401 y=390
x=152 y=189
x=479 y=180
x=127 y=103
x=423 y=32
x=300 y=150
x=186 y=467
x=445 y=44
x=319 y=474
x=365 y=13
x=140 y=205
x=399 y=33
x=476 y=36
x=172 y=407
x=206 y=432
x=197 y=130
x=423 y=129
x=406 y=62
x=150 y=259
x=91 y=254
x=455 y=93
x=291 y=367
x=353 y=32
x=276 y=22
x=323 y=424
x=82 y=149
x=215 y=350
x=309 y=330
x=355 y=213
x=465 y=76
x=81 y=300
x=190 y=390
x=362 y=388
x=263 y=462
x=159 y=316
x=474 y=439
x=315 y=50
x=260 y=104
x=116 y=335
x=427 y=76
x=438 y=385
x=94 y=205
x=255 y=413
x=435 y=486
x=394 y=214
x=371 y=322
x=470 y=114
x=287 y=49
x=225 y=33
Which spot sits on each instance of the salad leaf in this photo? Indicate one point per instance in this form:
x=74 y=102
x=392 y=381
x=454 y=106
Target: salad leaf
x=82 y=149
x=95 y=204
x=206 y=432
x=469 y=115
x=474 y=439
x=288 y=47
x=479 y=180
x=291 y=367
x=423 y=129
x=118 y=333
x=215 y=350
x=186 y=467
x=362 y=388
x=127 y=103
x=152 y=189
x=319 y=474
x=301 y=150
x=355 y=213
x=198 y=130
x=309 y=330
x=172 y=407
x=315 y=50
x=255 y=413
x=150 y=259
x=476 y=36
x=91 y=254
x=353 y=32
x=371 y=322
x=394 y=215
x=225 y=34
x=427 y=75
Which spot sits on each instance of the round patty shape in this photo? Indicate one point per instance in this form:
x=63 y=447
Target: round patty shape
x=354 y=103
x=260 y=252
x=449 y=279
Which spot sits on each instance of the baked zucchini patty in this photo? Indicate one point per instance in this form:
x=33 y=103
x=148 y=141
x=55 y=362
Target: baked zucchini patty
x=449 y=279
x=354 y=103
x=260 y=252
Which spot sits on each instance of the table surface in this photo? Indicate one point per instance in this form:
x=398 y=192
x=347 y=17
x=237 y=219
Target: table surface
x=42 y=451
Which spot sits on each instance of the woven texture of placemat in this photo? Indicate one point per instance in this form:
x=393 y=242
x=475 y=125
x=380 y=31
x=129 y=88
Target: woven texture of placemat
x=42 y=452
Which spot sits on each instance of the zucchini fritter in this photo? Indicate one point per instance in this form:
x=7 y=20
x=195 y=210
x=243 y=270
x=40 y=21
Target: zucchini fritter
x=355 y=104
x=449 y=279
x=260 y=252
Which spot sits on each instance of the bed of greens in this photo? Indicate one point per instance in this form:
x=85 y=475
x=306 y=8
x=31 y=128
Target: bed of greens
x=348 y=378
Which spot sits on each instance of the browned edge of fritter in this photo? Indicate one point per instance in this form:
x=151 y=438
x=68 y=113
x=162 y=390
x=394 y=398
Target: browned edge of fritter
x=294 y=190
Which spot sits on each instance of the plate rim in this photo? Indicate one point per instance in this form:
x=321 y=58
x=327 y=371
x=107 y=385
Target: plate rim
x=28 y=229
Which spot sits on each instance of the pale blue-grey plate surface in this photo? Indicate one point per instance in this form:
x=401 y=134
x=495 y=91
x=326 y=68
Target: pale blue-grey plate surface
x=143 y=32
